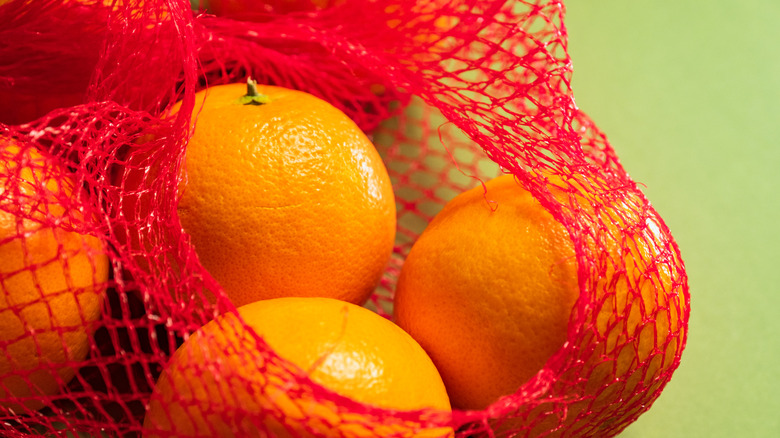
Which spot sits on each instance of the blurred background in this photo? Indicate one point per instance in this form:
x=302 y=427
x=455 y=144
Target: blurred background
x=688 y=93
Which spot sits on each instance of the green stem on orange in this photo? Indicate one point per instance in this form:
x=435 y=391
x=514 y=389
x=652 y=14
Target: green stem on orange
x=252 y=96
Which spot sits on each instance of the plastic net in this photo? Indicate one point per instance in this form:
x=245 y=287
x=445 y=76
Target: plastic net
x=451 y=92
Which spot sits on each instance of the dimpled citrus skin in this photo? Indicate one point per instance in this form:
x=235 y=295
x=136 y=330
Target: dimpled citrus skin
x=343 y=347
x=50 y=286
x=488 y=293
x=288 y=198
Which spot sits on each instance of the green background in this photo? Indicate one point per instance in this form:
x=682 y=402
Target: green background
x=688 y=93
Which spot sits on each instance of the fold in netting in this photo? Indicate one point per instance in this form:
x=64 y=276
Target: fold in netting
x=452 y=92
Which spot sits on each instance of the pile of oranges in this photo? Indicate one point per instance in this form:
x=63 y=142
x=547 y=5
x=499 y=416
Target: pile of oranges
x=290 y=208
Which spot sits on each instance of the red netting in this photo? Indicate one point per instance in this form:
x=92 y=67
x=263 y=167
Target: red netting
x=451 y=91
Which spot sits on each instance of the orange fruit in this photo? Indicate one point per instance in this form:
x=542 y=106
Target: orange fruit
x=51 y=281
x=640 y=314
x=285 y=198
x=488 y=294
x=219 y=384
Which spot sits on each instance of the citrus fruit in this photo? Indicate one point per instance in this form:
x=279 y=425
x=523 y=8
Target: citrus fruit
x=286 y=197
x=488 y=290
x=50 y=281
x=488 y=293
x=218 y=378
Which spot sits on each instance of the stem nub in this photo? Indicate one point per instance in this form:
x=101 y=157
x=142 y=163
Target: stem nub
x=252 y=96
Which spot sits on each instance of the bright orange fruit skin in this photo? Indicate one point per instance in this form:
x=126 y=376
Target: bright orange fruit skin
x=51 y=284
x=217 y=379
x=288 y=198
x=489 y=295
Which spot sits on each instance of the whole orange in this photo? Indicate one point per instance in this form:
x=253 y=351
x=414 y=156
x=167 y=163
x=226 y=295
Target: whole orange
x=217 y=380
x=285 y=198
x=488 y=290
x=488 y=293
x=51 y=280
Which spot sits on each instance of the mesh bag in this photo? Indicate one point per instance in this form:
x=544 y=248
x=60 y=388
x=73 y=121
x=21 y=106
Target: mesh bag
x=451 y=91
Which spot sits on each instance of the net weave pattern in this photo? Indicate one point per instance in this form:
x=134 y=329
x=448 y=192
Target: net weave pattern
x=452 y=92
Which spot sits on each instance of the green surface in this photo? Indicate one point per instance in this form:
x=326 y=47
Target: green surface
x=688 y=93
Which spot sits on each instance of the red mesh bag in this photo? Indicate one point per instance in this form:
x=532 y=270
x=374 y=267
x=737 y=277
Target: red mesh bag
x=88 y=321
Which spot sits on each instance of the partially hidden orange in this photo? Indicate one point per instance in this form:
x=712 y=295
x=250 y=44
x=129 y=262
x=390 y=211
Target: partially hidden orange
x=488 y=290
x=287 y=197
x=219 y=384
x=51 y=280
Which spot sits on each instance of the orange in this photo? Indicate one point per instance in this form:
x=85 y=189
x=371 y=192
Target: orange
x=285 y=198
x=219 y=384
x=51 y=281
x=488 y=294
